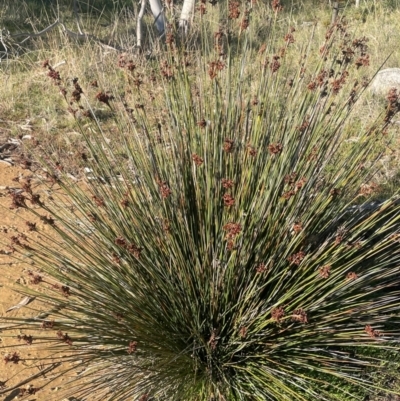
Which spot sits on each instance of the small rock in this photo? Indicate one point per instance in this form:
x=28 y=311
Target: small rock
x=385 y=80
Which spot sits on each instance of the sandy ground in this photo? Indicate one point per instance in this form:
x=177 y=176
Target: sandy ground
x=12 y=272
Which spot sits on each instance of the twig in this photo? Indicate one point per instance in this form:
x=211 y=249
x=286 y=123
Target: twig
x=81 y=36
x=34 y=35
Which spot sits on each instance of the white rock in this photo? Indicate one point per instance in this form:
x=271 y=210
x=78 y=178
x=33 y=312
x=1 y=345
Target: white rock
x=385 y=80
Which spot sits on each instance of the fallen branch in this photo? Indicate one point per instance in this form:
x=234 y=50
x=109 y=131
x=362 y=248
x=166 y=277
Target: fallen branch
x=30 y=35
x=78 y=36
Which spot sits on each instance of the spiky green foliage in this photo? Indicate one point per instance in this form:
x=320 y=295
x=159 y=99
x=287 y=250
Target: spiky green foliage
x=218 y=259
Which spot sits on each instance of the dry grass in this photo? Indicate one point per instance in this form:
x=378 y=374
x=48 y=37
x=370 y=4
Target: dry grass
x=30 y=103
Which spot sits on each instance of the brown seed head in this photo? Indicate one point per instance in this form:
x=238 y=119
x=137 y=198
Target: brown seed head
x=227 y=183
x=297 y=227
x=325 y=271
x=371 y=332
x=261 y=268
x=228 y=200
x=276 y=6
x=296 y=258
x=229 y=145
x=277 y=313
x=351 y=276
x=233 y=229
x=14 y=358
x=64 y=337
x=132 y=347
x=28 y=339
x=299 y=315
x=234 y=11
x=134 y=250
x=198 y=161
x=275 y=148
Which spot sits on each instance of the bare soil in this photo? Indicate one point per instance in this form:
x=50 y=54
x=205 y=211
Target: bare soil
x=28 y=374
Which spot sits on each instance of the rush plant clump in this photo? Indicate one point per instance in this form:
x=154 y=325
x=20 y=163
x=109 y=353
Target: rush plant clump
x=220 y=258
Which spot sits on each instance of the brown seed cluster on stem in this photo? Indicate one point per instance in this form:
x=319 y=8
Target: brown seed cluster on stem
x=164 y=189
x=296 y=258
x=132 y=347
x=232 y=231
x=31 y=225
x=104 y=98
x=48 y=220
x=229 y=145
x=233 y=10
x=214 y=67
x=29 y=390
x=14 y=358
x=275 y=148
x=393 y=106
x=202 y=8
x=252 y=151
x=351 y=276
x=77 y=92
x=299 y=315
x=202 y=123
x=132 y=248
x=166 y=70
x=372 y=332
x=65 y=290
x=277 y=313
x=243 y=332
x=292 y=186
x=18 y=199
x=47 y=324
x=275 y=63
x=227 y=183
x=123 y=62
x=289 y=38
x=28 y=339
x=218 y=42
x=261 y=268
x=297 y=227
x=198 y=161
x=64 y=337
x=98 y=201
x=245 y=22
x=228 y=200
x=35 y=278
x=276 y=6
x=325 y=271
